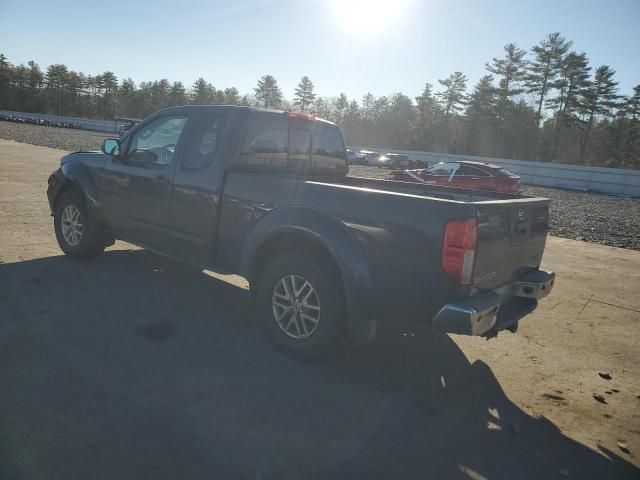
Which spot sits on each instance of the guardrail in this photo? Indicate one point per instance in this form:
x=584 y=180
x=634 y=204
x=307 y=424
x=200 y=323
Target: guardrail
x=613 y=181
x=109 y=126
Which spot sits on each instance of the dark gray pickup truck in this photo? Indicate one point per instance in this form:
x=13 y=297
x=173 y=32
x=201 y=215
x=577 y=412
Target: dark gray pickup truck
x=264 y=194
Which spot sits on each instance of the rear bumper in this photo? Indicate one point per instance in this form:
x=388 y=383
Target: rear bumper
x=495 y=310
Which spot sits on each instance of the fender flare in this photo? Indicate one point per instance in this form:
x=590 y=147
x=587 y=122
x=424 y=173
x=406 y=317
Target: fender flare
x=335 y=239
x=77 y=176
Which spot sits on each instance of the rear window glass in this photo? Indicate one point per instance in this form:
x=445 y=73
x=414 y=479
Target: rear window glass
x=504 y=171
x=467 y=171
x=266 y=141
x=299 y=141
x=328 y=147
x=439 y=169
x=276 y=141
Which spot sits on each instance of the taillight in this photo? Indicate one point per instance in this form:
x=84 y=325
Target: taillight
x=459 y=249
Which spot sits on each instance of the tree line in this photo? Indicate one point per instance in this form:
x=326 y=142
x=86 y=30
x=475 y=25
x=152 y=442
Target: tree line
x=546 y=104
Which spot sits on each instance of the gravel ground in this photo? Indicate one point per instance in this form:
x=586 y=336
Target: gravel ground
x=591 y=217
x=53 y=137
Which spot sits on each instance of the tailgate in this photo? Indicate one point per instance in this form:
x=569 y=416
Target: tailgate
x=511 y=239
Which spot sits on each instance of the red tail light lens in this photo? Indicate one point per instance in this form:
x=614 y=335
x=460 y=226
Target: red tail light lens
x=459 y=249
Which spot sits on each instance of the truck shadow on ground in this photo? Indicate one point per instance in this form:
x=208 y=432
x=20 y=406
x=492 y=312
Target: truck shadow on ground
x=132 y=366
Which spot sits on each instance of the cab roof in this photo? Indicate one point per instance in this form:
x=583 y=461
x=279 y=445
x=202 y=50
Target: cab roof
x=293 y=115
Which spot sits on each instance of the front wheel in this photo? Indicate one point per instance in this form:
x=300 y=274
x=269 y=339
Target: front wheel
x=301 y=305
x=76 y=232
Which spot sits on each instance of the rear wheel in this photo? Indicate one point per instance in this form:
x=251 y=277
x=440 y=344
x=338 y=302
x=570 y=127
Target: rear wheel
x=301 y=305
x=76 y=232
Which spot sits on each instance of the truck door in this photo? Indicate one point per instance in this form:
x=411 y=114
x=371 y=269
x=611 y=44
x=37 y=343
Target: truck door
x=137 y=185
x=196 y=189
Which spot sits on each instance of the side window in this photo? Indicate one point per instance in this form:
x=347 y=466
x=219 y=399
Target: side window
x=299 y=143
x=467 y=171
x=203 y=142
x=441 y=170
x=266 y=142
x=328 y=147
x=156 y=142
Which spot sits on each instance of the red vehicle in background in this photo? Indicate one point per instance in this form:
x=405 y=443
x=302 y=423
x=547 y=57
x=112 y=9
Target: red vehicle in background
x=463 y=174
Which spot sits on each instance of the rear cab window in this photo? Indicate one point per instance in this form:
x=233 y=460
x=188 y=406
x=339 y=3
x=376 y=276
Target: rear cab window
x=293 y=145
x=328 y=147
x=266 y=142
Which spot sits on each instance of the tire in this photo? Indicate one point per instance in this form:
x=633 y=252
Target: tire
x=303 y=338
x=86 y=240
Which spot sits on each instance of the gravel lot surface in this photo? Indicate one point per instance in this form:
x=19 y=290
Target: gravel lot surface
x=53 y=137
x=591 y=217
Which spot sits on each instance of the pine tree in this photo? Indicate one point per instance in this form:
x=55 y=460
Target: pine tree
x=572 y=80
x=321 y=108
x=304 y=96
x=6 y=73
x=35 y=86
x=452 y=98
x=545 y=67
x=231 y=96
x=340 y=106
x=109 y=84
x=201 y=92
x=177 y=94
x=427 y=110
x=268 y=92
x=481 y=117
x=127 y=98
x=631 y=153
x=510 y=71
x=598 y=99
x=368 y=102
x=427 y=106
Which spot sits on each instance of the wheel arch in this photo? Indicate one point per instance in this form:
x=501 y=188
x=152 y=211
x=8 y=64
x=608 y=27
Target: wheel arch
x=77 y=177
x=310 y=231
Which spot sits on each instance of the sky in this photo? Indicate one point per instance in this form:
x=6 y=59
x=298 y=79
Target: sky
x=350 y=46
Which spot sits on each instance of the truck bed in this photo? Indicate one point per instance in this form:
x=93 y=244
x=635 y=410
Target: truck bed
x=431 y=191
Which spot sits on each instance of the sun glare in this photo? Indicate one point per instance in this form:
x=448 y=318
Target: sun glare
x=356 y=15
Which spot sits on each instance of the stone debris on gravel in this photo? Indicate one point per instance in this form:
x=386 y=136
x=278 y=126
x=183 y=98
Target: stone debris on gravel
x=623 y=446
x=604 y=219
x=605 y=375
x=600 y=398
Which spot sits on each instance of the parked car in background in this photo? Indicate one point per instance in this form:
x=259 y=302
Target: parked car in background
x=398 y=160
x=464 y=174
x=352 y=156
x=389 y=160
x=376 y=159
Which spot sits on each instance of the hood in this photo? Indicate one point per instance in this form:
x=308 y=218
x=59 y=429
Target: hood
x=94 y=158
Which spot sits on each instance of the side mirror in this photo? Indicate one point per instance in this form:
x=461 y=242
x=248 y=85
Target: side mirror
x=111 y=146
